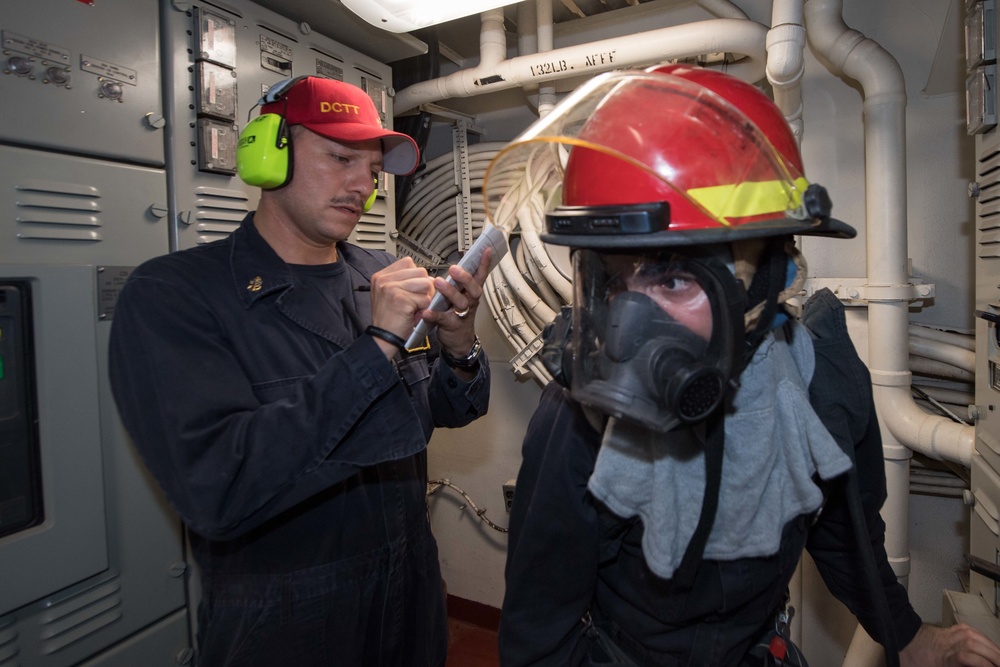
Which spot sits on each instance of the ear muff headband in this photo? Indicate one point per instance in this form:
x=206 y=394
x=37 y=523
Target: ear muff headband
x=278 y=90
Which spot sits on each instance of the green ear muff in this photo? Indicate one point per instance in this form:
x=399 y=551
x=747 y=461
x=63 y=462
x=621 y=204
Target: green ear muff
x=263 y=155
x=371 y=198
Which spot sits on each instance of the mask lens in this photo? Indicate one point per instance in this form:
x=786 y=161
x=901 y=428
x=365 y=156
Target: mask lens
x=643 y=335
x=665 y=280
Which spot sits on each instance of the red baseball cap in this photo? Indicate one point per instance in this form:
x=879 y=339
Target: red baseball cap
x=343 y=112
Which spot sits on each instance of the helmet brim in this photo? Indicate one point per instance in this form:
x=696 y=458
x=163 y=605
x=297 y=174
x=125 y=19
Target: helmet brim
x=827 y=227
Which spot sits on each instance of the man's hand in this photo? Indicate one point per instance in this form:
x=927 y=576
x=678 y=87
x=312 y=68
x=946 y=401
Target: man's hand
x=457 y=325
x=958 y=645
x=399 y=292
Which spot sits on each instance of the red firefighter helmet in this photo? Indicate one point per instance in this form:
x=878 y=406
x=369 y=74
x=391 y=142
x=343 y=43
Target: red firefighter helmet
x=674 y=155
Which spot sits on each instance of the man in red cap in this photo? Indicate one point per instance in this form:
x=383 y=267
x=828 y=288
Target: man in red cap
x=265 y=382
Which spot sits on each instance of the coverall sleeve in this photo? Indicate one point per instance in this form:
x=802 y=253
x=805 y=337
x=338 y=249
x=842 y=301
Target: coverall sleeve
x=455 y=402
x=840 y=392
x=228 y=454
x=552 y=552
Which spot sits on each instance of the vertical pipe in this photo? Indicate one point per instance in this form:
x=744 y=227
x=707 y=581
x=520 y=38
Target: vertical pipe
x=786 y=42
x=882 y=84
x=492 y=38
x=546 y=42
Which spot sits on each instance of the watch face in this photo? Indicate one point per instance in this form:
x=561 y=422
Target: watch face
x=469 y=362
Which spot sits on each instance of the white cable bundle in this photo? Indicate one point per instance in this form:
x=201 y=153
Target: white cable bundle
x=530 y=288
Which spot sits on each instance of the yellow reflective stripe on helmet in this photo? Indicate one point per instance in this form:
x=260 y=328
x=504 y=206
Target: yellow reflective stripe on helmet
x=745 y=200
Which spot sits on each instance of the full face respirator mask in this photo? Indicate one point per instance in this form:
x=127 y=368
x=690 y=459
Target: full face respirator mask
x=656 y=336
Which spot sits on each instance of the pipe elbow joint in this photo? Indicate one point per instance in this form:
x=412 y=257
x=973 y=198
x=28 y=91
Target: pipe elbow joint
x=931 y=435
x=828 y=33
x=947 y=441
x=785 y=60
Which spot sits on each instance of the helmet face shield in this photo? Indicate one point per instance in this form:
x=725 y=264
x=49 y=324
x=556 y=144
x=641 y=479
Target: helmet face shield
x=655 y=335
x=627 y=139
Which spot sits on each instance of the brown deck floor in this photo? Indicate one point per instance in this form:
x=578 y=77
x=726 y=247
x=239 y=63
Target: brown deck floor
x=471 y=645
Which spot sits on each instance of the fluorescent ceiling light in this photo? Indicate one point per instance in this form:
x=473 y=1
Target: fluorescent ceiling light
x=407 y=15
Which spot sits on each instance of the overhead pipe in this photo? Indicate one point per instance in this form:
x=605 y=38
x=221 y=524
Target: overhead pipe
x=723 y=9
x=738 y=36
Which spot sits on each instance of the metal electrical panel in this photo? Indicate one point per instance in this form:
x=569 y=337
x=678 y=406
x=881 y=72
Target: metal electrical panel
x=83 y=78
x=111 y=154
x=226 y=56
x=21 y=504
x=981 y=36
x=96 y=573
x=980 y=66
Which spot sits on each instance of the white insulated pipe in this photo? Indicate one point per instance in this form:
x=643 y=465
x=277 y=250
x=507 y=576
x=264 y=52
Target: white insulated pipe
x=786 y=42
x=535 y=34
x=948 y=354
x=963 y=341
x=491 y=74
x=941 y=438
x=492 y=39
x=527 y=28
x=884 y=91
x=885 y=195
x=722 y=9
x=546 y=42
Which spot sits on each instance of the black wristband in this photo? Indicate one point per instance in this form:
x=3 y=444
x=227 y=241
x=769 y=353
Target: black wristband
x=386 y=335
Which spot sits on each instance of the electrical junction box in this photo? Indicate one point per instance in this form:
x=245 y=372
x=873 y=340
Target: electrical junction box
x=508 y=495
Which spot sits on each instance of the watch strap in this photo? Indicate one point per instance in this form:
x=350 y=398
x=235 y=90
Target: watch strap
x=469 y=362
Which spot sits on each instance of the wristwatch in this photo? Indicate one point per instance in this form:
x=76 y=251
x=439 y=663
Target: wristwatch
x=469 y=362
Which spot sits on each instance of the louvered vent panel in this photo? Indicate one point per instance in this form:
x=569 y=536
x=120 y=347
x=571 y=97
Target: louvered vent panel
x=9 y=649
x=989 y=243
x=989 y=164
x=78 y=617
x=371 y=233
x=218 y=212
x=50 y=210
x=989 y=214
x=988 y=205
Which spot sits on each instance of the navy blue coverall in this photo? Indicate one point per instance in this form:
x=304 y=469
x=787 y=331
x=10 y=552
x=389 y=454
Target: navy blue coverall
x=569 y=557
x=293 y=451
